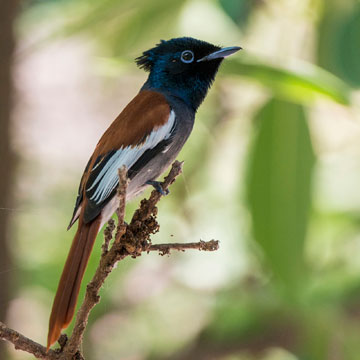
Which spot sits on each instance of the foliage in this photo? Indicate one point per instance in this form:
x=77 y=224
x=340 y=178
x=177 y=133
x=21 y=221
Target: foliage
x=279 y=188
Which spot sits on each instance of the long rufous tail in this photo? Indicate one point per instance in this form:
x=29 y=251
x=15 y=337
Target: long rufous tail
x=69 y=285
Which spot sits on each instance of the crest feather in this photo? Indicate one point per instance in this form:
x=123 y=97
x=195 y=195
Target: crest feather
x=146 y=60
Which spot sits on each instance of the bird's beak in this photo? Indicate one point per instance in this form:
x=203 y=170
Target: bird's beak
x=222 y=53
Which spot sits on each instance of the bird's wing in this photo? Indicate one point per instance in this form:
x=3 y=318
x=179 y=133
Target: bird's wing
x=143 y=125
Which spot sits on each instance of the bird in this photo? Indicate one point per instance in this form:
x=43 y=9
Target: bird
x=146 y=138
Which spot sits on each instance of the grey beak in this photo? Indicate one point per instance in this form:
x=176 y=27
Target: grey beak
x=222 y=53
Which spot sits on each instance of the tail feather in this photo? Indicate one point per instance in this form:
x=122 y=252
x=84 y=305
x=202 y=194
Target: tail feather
x=69 y=285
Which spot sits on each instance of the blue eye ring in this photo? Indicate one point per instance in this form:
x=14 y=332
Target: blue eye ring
x=187 y=56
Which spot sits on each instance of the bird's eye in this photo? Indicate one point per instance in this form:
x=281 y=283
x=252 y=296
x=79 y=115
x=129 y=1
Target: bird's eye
x=187 y=56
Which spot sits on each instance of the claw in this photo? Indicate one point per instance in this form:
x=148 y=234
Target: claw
x=157 y=186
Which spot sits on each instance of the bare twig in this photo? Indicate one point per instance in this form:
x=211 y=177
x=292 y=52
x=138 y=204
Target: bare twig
x=164 y=249
x=23 y=343
x=120 y=212
x=108 y=235
x=130 y=240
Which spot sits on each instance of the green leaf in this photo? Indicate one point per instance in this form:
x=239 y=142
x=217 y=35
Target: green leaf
x=279 y=189
x=339 y=33
x=302 y=85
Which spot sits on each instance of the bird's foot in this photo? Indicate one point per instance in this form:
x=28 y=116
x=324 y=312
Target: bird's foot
x=157 y=186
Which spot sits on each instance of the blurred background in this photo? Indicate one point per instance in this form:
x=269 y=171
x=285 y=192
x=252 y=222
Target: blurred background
x=272 y=170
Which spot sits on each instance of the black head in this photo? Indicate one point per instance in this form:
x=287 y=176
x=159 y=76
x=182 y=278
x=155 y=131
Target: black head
x=184 y=67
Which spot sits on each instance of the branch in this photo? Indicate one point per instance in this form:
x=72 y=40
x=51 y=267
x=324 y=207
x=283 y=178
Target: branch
x=164 y=249
x=130 y=240
x=23 y=343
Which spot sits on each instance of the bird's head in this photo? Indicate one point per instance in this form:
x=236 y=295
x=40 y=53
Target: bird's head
x=184 y=67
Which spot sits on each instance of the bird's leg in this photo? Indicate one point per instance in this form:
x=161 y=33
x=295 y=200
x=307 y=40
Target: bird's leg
x=157 y=186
